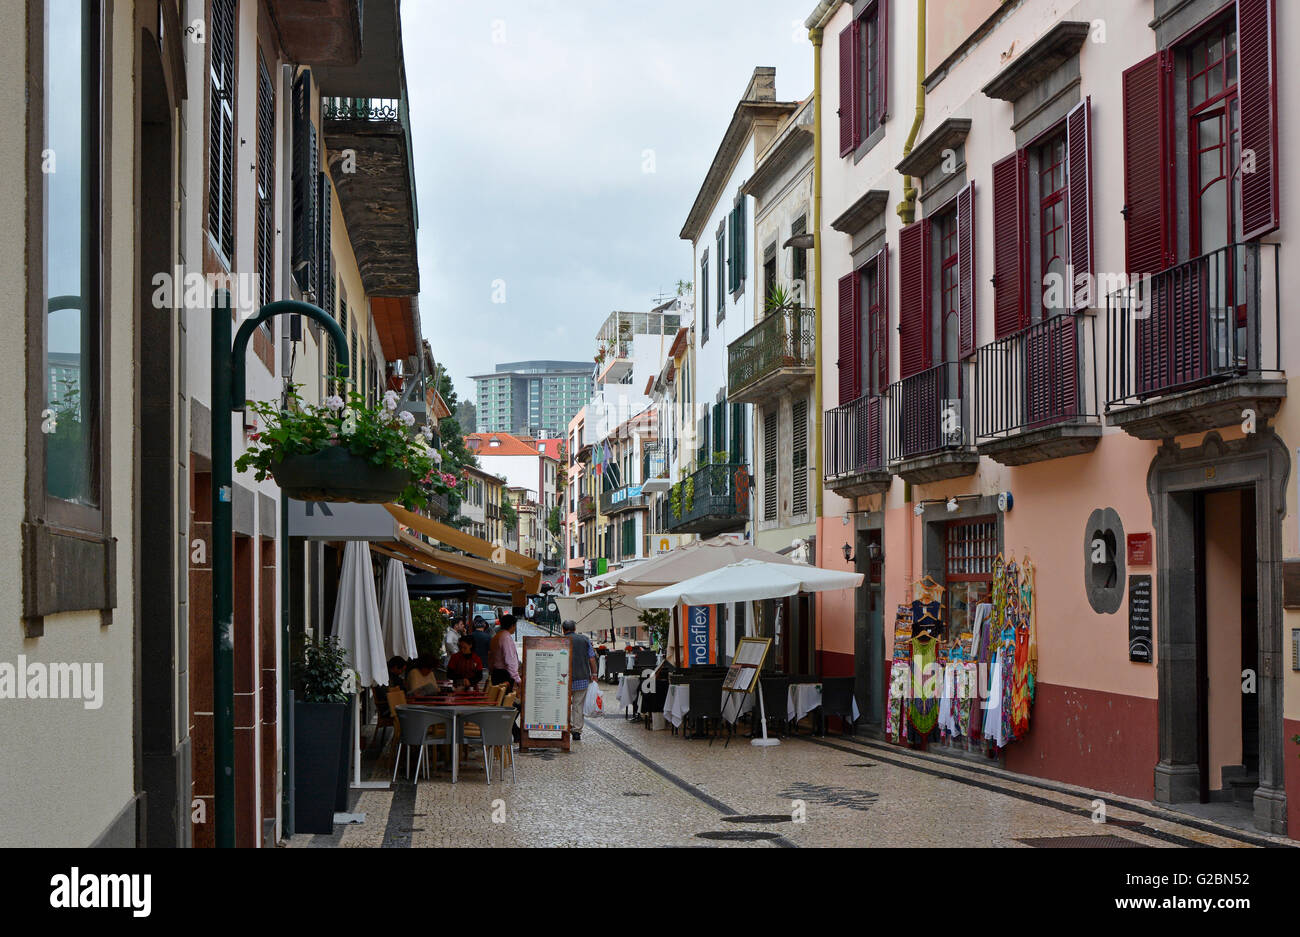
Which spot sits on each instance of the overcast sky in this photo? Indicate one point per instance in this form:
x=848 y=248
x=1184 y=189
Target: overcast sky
x=534 y=125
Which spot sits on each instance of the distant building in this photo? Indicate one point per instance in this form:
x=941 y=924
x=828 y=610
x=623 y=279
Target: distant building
x=532 y=398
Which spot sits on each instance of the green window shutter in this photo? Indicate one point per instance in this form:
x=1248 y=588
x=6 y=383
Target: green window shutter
x=737 y=433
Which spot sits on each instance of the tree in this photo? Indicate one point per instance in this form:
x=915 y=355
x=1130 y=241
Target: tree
x=453 y=443
x=509 y=516
x=553 y=522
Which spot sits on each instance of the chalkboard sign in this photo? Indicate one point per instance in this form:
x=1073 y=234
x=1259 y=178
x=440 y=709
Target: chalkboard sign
x=1139 y=619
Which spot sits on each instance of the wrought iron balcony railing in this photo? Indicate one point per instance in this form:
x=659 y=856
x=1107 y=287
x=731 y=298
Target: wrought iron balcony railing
x=710 y=500
x=854 y=437
x=781 y=341
x=372 y=109
x=1040 y=376
x=627 y=498
x=927 y=413
x=1208 y=319
x=586 y=507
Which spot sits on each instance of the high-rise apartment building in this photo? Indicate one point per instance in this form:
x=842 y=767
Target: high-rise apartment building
x=532 y=398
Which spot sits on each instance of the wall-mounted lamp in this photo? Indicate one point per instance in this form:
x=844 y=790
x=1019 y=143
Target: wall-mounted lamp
x=848 y=554
x=919 y=509
x=800 y=241
x=873 y=551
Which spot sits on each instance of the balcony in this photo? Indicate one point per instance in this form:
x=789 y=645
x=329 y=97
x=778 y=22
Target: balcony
x=438 y=507
x=654 y=468
x=319 y=32
x=776 y=354
x=586 y=507
x=1036 y=392
x=620 y=500
x=1194 y=346
x=855 y=457
x=928 y=435
x=376 y=188
x=711 y=500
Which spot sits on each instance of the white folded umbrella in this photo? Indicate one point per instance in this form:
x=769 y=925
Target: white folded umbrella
x=395 y=613
x=748 y=581
x=356 y=616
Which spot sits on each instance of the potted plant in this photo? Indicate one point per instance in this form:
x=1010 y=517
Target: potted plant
x=320 y=731
x=344 y=452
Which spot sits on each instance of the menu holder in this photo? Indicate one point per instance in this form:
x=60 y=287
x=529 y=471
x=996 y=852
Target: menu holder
x=742 y=677
x=547 y=682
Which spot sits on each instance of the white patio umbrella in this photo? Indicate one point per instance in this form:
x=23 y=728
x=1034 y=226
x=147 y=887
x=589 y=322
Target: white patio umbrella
x=356 y=616
x=748 y=581
x=395 y=613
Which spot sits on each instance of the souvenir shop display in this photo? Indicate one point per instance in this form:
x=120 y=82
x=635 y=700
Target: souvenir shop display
x=976 y=685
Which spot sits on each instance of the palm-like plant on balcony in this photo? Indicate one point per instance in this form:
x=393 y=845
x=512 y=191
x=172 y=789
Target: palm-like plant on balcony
x=783 y=302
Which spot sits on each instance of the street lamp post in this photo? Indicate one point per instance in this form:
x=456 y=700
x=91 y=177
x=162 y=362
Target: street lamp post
x=228 y=378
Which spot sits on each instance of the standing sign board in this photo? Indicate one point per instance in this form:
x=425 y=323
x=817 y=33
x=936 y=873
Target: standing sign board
x=701 y=634
x=743 y=675
x=547 y=677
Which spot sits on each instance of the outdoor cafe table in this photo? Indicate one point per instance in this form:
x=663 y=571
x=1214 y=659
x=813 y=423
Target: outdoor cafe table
x=629 y=690
x=677 y=704
x=804 y=698
x=456 y=709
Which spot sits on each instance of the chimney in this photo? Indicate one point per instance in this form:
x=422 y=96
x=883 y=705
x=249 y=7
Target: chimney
x=762 y=86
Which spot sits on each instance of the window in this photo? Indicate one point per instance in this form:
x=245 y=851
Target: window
x=946 y=326
x=936 y=294
x=265 y=186
x=721 y=243
x=67 y=521
x=1188 y=112
x=769 y=273
x=736 y=226
x=864 y=76
x=704 y=286
x=1042 y=231
x=769 y=466
x=970 y=549
x=799 y=458
x=799 y=260
x=221 y=128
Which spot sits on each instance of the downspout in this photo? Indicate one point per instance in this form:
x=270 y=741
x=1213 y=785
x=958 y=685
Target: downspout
x=907 y=207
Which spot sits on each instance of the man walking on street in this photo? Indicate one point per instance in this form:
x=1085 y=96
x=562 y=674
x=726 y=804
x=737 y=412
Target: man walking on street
x=582 y=666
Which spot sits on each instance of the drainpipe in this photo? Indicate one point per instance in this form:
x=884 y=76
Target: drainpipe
x=907 y=207
x=815 y=34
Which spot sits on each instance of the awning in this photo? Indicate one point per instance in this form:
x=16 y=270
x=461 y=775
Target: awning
x=484 y=574
x=512 y=566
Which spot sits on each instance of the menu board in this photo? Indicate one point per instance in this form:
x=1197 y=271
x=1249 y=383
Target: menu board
x=546 y=692
x=750 y=654
x=1139 y=619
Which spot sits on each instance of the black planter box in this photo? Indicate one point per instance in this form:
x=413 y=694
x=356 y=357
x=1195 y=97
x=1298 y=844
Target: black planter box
x=317 y=764
x=335 y=474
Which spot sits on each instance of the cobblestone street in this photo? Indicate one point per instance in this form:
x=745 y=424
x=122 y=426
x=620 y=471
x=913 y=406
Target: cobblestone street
x=625 y=786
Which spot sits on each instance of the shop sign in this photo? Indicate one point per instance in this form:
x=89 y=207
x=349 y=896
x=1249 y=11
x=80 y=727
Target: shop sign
x=1139 y=619
x=1139 y=549
x=333 y=520
x=701 y=634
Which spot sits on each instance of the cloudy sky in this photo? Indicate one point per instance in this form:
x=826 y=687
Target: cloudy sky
x=559 y=145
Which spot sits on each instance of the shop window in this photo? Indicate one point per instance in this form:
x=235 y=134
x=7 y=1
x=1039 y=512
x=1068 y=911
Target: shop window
x=969 y=551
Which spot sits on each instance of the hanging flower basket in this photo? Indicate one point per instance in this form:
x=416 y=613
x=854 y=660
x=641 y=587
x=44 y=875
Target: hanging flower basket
x=345 y=451
x=335 y=474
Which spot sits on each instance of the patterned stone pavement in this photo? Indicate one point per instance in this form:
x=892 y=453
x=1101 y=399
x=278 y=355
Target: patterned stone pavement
x=625 y=786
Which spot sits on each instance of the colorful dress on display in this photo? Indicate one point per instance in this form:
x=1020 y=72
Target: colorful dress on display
x=927 y=603
x=993 y=721
x=894 y=707
x=1007 y=665
x=967 y=696
x=1027 y=603
x=922 y=710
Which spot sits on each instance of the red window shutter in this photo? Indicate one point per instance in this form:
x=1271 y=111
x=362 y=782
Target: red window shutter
x=882 y=30
x=880 y=328
x=1010 y=243
x=850 y=364
x=966 y=271
x=1078 y=154
x=914 y=298
x=1256 y=91
x=850 y=88
x=1147 y=166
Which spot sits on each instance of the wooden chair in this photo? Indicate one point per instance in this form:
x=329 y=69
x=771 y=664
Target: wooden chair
x=396 y=697
x=385 y=718
x=495 y=692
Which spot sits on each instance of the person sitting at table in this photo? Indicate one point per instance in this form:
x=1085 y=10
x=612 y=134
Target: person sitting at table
x=421 y=680
x=397 y=667
x=464 y=667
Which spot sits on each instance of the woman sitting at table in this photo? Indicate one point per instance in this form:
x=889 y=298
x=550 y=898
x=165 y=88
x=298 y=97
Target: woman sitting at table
x=421 y=680
x=464 y=667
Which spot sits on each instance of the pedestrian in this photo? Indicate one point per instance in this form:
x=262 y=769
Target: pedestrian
x=480 y=638
x=503 y=656
x=451 y=640
x=582 y=669
x=465 y=668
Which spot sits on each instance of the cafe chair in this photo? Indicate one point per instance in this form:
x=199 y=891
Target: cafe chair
x=706 y=707
x=493 y=732
x=776 y=700
x=383 y=717
x=414 y=725
x=837 y=700
x=395 y=697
